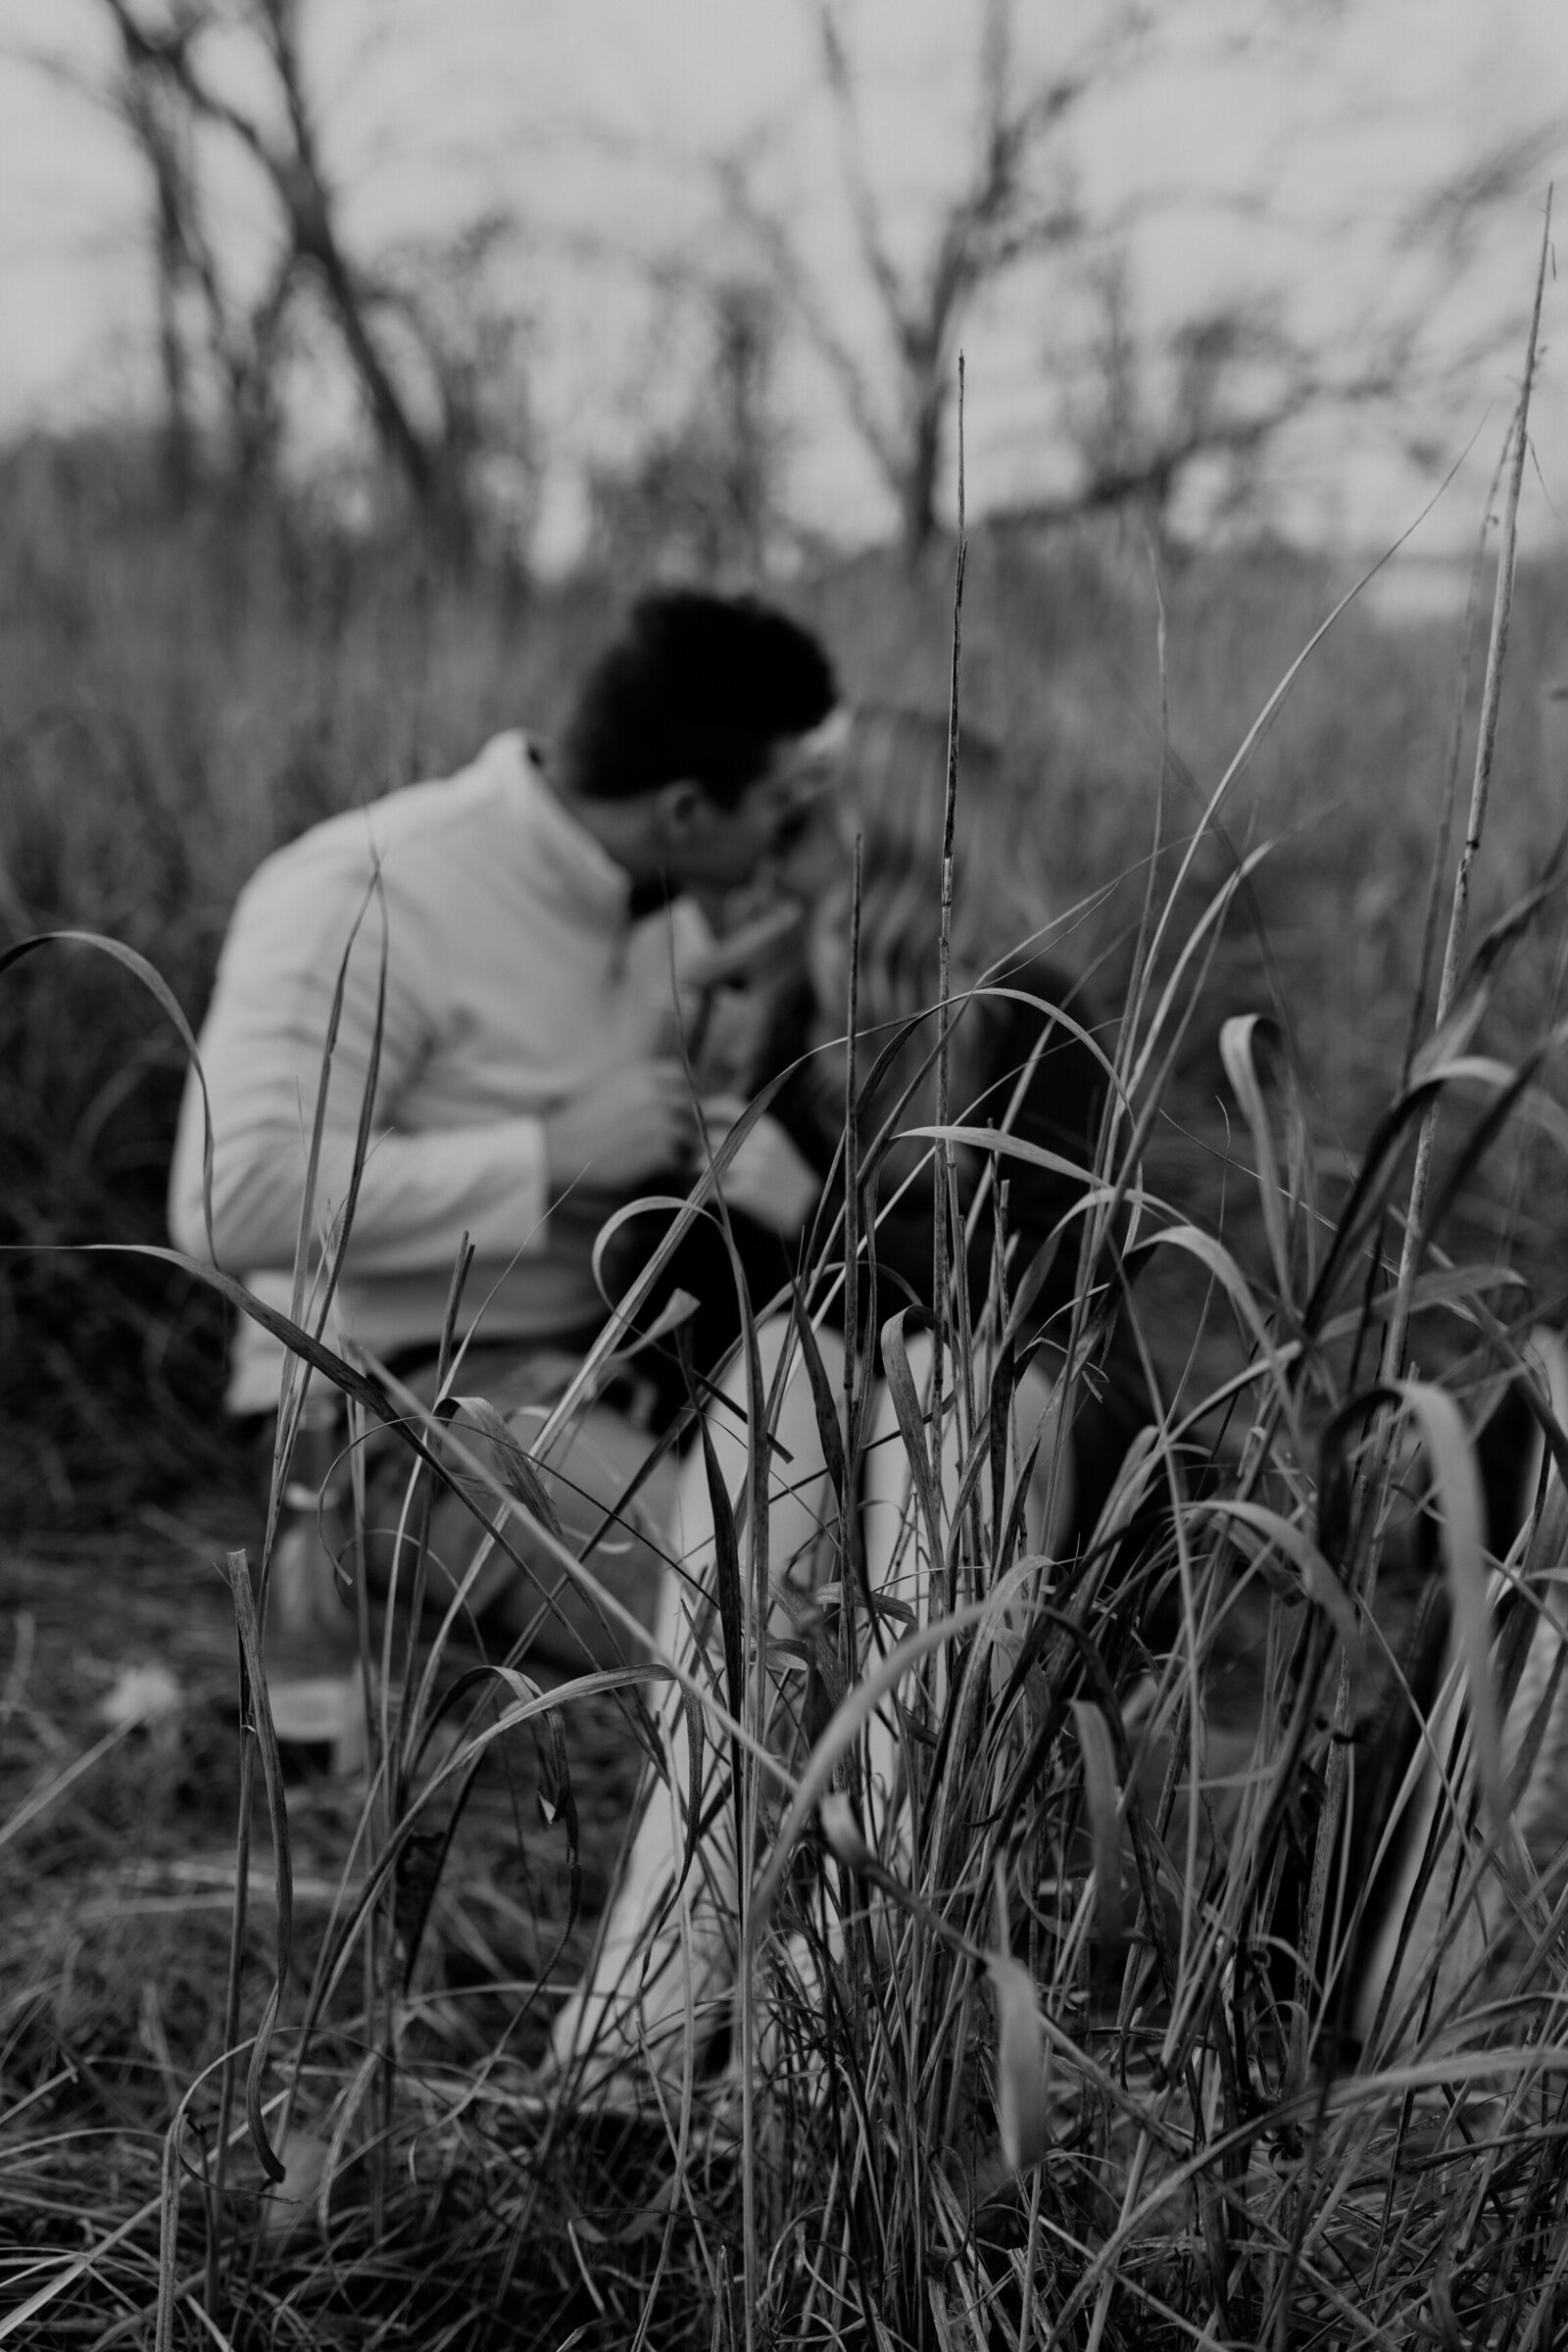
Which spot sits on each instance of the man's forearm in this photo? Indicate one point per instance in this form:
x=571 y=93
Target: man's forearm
x=416 y=1193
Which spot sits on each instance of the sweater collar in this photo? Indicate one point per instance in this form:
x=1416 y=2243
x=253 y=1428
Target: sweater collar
x=575 y=869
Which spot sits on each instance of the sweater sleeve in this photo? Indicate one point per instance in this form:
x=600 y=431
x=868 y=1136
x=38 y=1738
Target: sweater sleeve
x=299 y=922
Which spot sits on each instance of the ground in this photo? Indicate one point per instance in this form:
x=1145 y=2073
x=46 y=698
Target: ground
x=116 y=1886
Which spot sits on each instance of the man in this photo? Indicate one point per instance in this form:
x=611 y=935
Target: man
x=515 y=939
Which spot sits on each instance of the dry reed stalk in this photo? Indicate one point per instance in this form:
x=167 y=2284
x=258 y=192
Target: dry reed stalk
x=944 y=1173
x=1480 y=793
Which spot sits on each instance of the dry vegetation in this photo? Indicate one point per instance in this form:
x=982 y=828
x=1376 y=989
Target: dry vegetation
x=179 y=697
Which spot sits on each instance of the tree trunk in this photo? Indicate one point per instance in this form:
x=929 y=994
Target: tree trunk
x=917 y=485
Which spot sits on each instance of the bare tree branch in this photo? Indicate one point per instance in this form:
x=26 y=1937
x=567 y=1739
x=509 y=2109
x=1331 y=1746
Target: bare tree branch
x=795 y=282
x=1451 y=217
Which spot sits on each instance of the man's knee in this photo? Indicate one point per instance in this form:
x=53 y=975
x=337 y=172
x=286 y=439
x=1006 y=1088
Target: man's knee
x=590 y=1592
x=583 y=1594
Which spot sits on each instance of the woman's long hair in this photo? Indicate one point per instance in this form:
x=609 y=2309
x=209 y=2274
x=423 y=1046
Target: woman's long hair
x=892 y=794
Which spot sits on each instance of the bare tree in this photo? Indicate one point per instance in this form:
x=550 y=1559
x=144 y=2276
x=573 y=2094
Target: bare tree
x=1013 y=199
x=472 y=345
x=160 y=134
x=1140 y=414
x=240 y=338
x=169 y=95
x=702 y=493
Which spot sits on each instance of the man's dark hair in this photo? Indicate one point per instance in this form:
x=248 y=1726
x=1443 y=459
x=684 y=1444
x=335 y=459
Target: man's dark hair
x=696 y=686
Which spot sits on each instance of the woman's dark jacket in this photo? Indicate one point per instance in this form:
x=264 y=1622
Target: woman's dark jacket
x=1012 y=1027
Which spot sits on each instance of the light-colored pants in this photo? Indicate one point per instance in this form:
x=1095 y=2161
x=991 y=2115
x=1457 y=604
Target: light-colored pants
x=660 y=1979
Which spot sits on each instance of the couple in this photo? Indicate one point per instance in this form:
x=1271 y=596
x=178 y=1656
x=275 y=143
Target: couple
x=521 y=968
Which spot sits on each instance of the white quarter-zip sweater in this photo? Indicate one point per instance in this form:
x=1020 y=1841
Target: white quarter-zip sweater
x=515 y=978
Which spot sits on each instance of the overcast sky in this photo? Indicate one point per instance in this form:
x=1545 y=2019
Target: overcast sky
x=1288 y=163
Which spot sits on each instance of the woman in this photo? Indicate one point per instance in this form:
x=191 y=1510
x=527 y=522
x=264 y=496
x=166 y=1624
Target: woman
x=1010 y=1054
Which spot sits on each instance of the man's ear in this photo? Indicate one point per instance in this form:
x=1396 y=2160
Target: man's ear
x=679 y=808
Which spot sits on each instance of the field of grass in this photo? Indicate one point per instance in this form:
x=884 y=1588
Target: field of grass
x=1141 y=2147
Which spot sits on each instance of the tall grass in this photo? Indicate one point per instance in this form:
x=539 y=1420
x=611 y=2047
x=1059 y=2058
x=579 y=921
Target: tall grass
x=1050 y=2049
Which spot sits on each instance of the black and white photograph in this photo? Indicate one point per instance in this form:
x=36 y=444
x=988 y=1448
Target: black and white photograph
x=783 y=1176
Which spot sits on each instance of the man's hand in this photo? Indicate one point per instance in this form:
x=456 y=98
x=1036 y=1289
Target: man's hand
x=635 y=1124
x=768 y=1178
